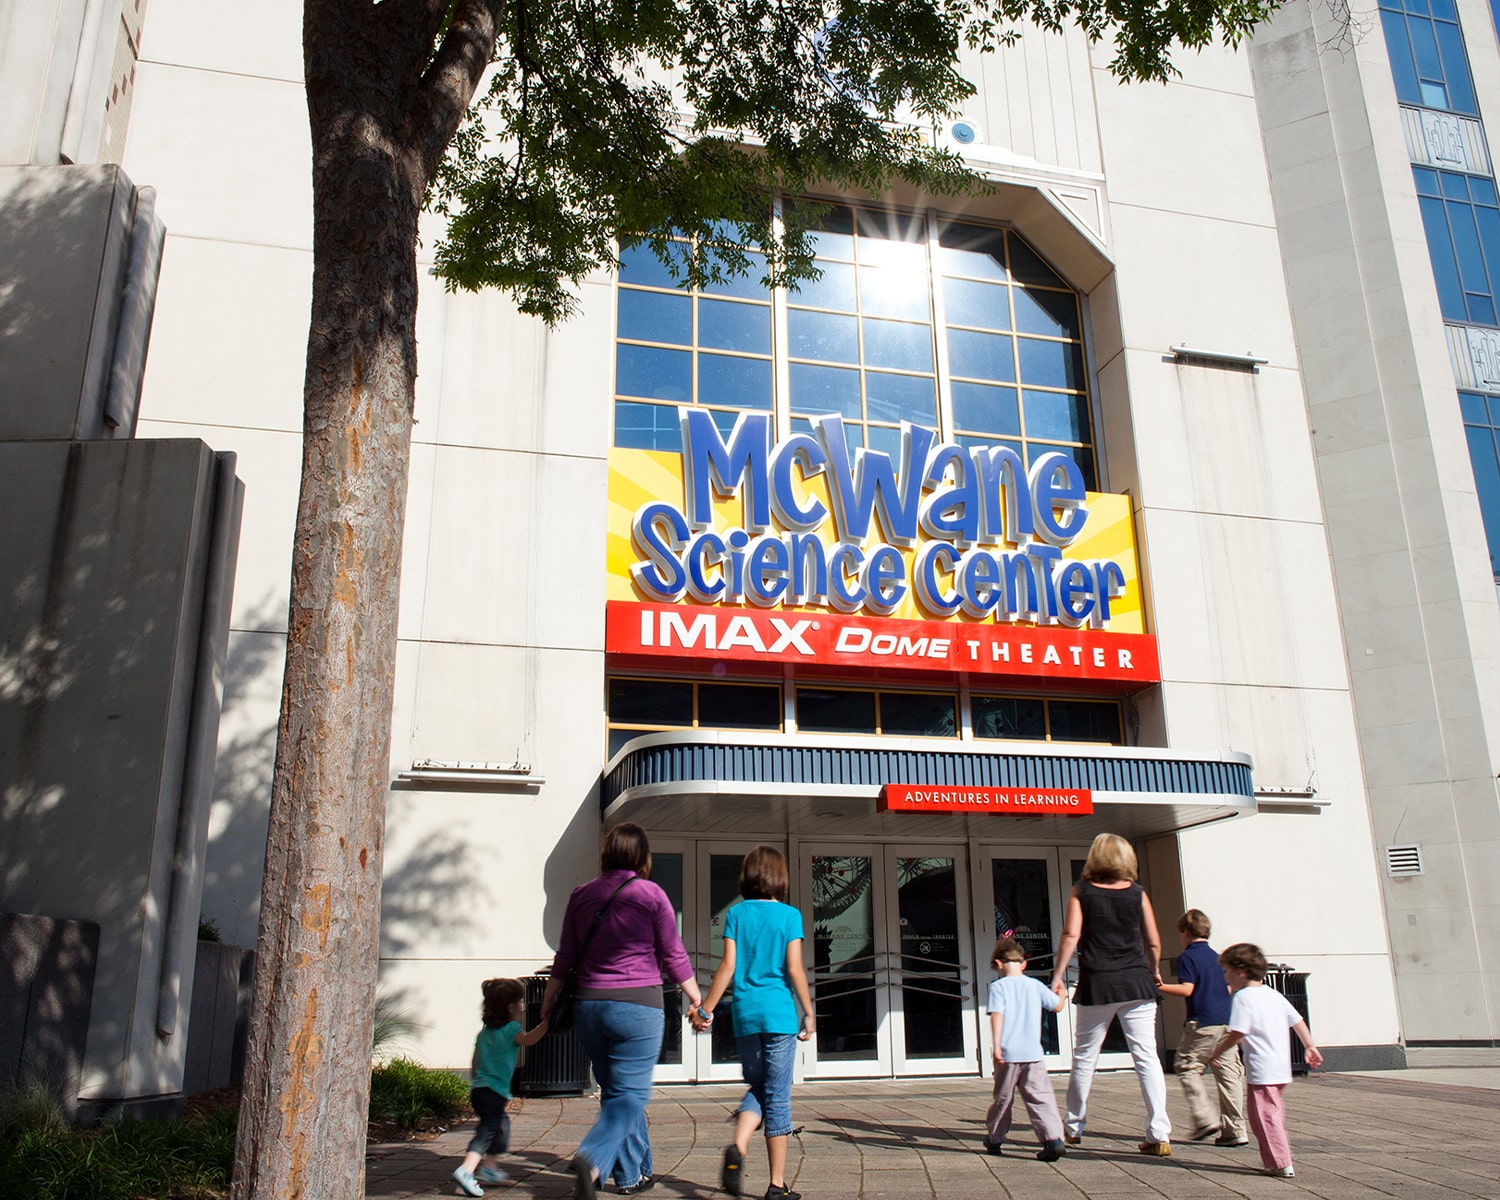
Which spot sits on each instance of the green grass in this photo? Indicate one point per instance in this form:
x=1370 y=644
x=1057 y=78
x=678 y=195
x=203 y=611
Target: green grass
x=133 y=1160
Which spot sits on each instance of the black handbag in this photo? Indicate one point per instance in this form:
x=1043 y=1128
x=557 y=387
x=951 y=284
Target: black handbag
x=567 y=994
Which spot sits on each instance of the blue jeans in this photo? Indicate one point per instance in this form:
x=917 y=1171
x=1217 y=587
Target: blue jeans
x=766 y=1060
x=623 y=1042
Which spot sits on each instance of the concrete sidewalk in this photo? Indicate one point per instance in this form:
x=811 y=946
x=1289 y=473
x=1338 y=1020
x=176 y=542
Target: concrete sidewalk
x=1425 y=1132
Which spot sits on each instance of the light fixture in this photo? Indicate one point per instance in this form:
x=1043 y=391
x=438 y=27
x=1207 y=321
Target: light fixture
x=1219 y=356
x=431 y=772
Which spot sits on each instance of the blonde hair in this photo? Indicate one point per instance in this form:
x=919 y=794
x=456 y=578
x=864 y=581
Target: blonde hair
x=1110 y=858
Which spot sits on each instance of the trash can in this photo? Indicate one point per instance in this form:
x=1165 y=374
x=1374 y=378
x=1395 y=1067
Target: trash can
x=556 y=1065
x=1293 y=985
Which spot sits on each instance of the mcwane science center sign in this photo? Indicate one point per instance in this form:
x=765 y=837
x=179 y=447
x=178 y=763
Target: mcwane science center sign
x=952 y=559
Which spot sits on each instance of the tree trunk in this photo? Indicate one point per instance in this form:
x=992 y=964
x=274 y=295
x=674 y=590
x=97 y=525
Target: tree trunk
x=307 y=1070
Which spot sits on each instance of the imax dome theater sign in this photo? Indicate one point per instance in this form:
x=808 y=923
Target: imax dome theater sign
x=952 y=559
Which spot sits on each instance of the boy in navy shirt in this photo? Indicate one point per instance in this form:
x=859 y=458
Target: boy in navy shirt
x=1202 y=984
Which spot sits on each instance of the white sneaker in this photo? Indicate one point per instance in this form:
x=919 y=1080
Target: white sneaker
x=491 y=1175
x=466 y=1182
x=1285 y=1172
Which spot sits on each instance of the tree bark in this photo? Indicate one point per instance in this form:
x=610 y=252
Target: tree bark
x=378 y=130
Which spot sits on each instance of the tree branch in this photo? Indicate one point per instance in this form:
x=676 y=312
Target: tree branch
x=450 y=82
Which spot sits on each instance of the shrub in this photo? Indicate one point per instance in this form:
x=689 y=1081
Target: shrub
x=128 y=1161
x=409 y=1094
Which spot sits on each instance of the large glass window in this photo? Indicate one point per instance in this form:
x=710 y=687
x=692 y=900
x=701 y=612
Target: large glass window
x=1426 y=50
x=674 y=347
x=1462 y=221
x=1031 y=718
x=1482 y=424
x=635 y=706
x=865 y=342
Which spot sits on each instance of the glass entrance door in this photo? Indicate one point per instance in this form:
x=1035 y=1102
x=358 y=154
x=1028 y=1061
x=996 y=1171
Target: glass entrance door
x=890 y=971
x=1027 y=888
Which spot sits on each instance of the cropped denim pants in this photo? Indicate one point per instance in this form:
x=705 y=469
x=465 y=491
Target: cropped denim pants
x=767 y=1060
x=623 y=1042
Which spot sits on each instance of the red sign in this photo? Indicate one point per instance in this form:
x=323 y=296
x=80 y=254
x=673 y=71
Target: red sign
x=851 y=641
x=1030 y=802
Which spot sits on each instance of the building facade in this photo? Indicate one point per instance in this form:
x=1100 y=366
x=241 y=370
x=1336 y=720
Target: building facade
x=1134 y=495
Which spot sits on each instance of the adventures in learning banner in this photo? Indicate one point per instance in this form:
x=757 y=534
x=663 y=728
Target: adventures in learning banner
x=943 y=558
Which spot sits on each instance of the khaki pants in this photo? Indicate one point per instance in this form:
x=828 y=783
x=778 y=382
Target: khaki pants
x=1193 y=1056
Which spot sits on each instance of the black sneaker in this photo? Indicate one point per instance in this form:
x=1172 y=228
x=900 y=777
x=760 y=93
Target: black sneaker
x=992 y=1147
x=584 y=1187
x=1052 y=1151
x=733 y=1170
x=782 y=1192
x=644 y=1184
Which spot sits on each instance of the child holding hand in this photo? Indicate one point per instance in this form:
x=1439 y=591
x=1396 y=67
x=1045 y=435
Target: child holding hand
x=1260 y=1018
x=495 y=1052
x=1015 y=1003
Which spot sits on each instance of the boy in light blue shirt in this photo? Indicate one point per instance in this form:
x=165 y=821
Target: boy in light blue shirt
x=1015 y=1003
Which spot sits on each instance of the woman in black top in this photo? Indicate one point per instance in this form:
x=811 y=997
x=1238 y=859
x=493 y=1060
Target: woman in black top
x=1112 y=926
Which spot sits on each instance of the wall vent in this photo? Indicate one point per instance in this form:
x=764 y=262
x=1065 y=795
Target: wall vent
x=1401 y=861
x=964 y=133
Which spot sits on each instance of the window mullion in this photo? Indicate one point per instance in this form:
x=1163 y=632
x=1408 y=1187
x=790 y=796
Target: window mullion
x=939 y=326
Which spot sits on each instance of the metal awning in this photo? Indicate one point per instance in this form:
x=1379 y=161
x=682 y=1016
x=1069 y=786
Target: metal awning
x=731 y=784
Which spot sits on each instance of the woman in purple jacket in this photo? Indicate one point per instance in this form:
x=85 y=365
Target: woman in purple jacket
x=619 y=1015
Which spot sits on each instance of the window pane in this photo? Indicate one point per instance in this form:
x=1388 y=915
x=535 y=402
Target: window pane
x=725 y=325
x=835 y=234
x=901 y=398
x=969 y=440
x=986 y=409
x=890 y=235
x=981 y=355
x=1051 y=364
x=821 y=710
x=639 y=265
x=915 y=714
x=825 y=390
x=1466 y=246
x=748 y=286
x=973 y=250
x=1473 y=408
x=1008 y=717
x=894 y=292
x=618 y=738
x=739 y=706
x=1085 y=721
x=650 y=702
x=1455 y=68
x=1081 y=455
x=1028 y=268
x=656 y=317
x=1403 y=68
x=737 y=382
x=1427 y=181
x=1052 y=313
x=898 y=344
x=647 y=427
x=1487 y=482
x=1444 y=265
x=970 y=302
x=655 y=374
x=885 y=440
x=1056 y=416
x=834 y=289
x=826 y=336
x=1455 y=186
x=1424 y=47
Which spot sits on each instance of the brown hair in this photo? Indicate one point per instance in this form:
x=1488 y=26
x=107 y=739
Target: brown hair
x=1246 y=957
x=626 y=848
x=1195 y=921
x=499 y=995
x=1007 y=949
x=1110 y=858
x=763 y=875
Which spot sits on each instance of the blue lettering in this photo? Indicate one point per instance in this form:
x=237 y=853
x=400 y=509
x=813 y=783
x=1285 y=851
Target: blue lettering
x=843 y=563
x=659 y=531
x=765 y=580
x=953 y=511
x=871 y=483
x=1075 y=593
x=884 y=579
x=1048 y=494
x=800 y=447
x=706 y=551
x=709 y=467
x=809 y=558
x=933 y=558
x=1007 y=518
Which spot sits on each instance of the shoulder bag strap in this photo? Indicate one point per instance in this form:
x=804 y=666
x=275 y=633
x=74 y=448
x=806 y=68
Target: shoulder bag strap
x=599 y=916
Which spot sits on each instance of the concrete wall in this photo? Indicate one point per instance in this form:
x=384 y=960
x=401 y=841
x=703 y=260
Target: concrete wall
x=116 y=556
x=1415 y=591
x=46 y=991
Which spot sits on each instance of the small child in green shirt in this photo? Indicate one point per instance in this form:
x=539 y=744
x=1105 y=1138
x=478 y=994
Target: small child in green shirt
x=495 y=1052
